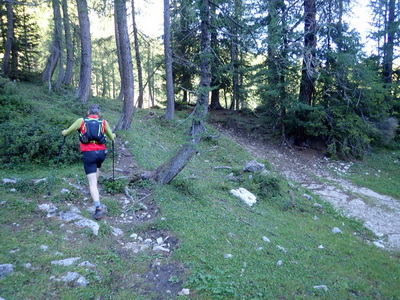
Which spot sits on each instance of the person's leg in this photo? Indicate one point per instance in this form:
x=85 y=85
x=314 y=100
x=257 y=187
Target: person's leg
x=94 y=191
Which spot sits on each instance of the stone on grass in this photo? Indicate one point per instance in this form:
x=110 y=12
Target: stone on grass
x=8 y=180
x=86 y=264
x=279 y=263
x=6 y=270
x=244 y=195
x=321 y=287
x=65 y=262
x=265 y=239
x=184 y=292
x=253 y=166
x=336 y=230
x=281 y=248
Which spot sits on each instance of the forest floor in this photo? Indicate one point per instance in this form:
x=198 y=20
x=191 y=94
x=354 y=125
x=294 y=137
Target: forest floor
x=324 y=177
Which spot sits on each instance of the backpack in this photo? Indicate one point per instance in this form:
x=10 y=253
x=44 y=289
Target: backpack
x=92 y=131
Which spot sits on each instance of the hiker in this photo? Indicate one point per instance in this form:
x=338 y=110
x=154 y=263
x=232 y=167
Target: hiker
x=92 y=130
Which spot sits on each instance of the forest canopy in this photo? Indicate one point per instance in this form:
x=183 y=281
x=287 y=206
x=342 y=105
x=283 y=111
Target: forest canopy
x=300 y=65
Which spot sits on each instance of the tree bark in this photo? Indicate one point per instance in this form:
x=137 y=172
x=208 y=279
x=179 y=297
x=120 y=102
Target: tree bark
x=126 y=71
x=138 y=58
x=86 y=52
x=5 y=68
x=169 y=112
x=56 y=46
x=166 y=172
x=68 y=44
x=310 y=42
x=388 y=48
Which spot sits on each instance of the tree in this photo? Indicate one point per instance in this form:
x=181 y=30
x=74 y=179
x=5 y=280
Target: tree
x=138 y=57
x=86 y=52
x=56 y=46
x=5 y=68
x=68 y=44
x=125 y=63
x=169 y=112
x=310 y=42
x=166 y=172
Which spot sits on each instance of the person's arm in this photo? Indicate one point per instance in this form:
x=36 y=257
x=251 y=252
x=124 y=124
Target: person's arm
x=74 y=127
x=109 y=132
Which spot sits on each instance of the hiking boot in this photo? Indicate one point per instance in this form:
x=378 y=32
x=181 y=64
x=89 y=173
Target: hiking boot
x=98 y=214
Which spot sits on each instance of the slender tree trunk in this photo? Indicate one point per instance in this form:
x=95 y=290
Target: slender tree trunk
x=388 y=47
x=58 y=41
x=166 y=172
x=310 y=41
x=169 y=112
x=56 y=47
x=126 y=71
x=215 y=82
x=5 y=68
x=69 y=45
x=86 y=52
x=138 y=58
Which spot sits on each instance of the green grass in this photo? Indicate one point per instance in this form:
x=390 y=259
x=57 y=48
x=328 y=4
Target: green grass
x=198 y=210
x=379 y=171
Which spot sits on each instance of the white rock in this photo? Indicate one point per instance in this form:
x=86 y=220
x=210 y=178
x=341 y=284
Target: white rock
x=184 y=292
x=8 y=180
x=321 y=287
x=160 y=248
x=65 y=262
x=265 y=239
x=65 y=191
x=336 y=230
x=116 y=231
x=279 y=263
x=44 y=247
x=134 y=236
x=86 y=264
x=244 y=195
x=160 y=240
x=321 y=247
x=228 y=255
x=281 y=248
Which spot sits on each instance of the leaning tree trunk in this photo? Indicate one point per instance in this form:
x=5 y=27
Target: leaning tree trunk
x=166 y=172
x=86 y=52
x=56 y=47
x=125 y=58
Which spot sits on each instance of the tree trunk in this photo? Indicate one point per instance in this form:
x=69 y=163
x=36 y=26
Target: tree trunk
x=56 y=47
x=388 y=47
x=86 y=52
x=166 y=172
x=310 y=42
x=169 y=112
x=5 y=68
x=125 y=58
x=138 y=58
x=69 y=46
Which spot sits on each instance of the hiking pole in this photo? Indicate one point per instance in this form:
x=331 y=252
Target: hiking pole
x=113 y=189
x=55 y=167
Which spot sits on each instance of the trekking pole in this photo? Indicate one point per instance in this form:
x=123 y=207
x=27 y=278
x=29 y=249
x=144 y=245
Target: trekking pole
x=113 y=189
x=55 y=167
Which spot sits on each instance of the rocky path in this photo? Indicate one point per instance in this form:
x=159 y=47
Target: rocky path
x=379 y=213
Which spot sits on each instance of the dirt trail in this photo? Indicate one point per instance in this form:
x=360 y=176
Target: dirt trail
x=379 y=213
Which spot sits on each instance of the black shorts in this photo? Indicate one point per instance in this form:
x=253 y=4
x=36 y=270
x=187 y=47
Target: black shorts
x=93 y=160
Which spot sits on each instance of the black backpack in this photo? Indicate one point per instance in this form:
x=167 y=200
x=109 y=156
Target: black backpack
x=92 y=131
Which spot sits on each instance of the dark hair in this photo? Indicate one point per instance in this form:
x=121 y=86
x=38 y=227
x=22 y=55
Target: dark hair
x=94 y=109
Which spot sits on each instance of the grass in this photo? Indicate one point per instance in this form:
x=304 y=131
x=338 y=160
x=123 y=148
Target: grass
x=379 y=171
x=221 y=251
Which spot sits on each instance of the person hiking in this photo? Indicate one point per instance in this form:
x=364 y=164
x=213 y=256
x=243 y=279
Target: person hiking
x=92 y=132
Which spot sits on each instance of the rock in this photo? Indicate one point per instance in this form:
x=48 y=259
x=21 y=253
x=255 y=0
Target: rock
x=281 y=248
x=160 y=240
x=321 y=247
x=36 y=181
x=65 y=262
x=321 y=287
x=245 y=195
x=6 y=270
x=8 y=180
x=279 y=263
x=184 y=292
x=336 y=230
x=228 y=255
x=86 y=264
x=76 y=278
x=265 y=239
x=27 y=265
x=253 y=166
x=44 y=248
x=65 y=191
x=116 y=231
x=160 y=248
